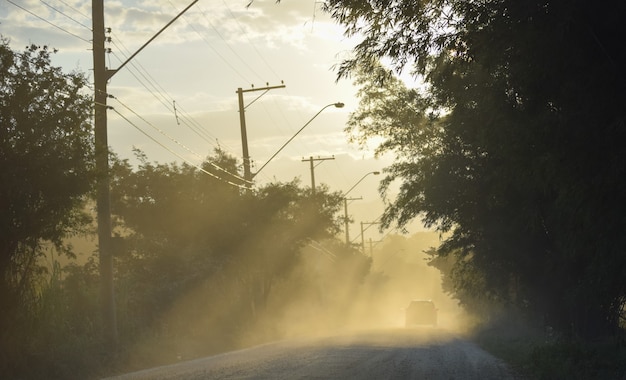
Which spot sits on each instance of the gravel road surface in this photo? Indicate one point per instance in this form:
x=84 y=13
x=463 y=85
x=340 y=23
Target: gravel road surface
x=420 y=353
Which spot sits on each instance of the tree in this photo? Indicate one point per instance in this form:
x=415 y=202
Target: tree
x=177 y=224
x=183 y=227
x=514 y=145
x=280 y=220
x=46 y=152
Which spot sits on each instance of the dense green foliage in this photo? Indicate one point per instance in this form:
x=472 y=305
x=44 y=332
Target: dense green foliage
x=513 y=145
x=46 y=174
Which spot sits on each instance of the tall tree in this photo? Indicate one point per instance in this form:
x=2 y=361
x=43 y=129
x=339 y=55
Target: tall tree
x=45 y=161
x=523 y=120
x=184 y=227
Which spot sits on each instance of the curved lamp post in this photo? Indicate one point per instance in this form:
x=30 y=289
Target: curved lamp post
x=337 y=105
x=345 y=204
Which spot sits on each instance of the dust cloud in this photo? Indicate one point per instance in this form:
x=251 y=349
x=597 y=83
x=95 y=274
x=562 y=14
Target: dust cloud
x=326 y=292
x=398 y=273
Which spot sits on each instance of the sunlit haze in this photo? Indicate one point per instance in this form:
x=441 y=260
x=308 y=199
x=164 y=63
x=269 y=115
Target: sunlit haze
x=181 y=91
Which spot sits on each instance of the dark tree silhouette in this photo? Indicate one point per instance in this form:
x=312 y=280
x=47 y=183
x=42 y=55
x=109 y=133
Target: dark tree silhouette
x=514 y=146
x=45 y=162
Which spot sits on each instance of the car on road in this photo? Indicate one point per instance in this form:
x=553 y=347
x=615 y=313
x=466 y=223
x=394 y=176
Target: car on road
x=421 y=312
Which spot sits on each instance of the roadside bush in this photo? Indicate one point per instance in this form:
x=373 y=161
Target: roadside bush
x=55 y=331
x=576 y=360
x=539 y=354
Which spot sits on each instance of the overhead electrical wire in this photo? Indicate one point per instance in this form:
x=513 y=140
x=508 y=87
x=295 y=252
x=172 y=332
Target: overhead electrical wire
x=203 y=13
x=270 y=67
x=215 y=50
x=158 y=92
x=320 y=248
x=376 y=221
x=236 y=176
x=157 y=128
x=165 y=99
x=244 y=62
x=232 y=15
x=64 y=14
x=49 y=22
x=75 y=9
x=158 y=95
x=176 y=154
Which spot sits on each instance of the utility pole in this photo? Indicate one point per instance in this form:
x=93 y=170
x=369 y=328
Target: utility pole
x=312 y=160
x=103 y=198
x=345 y=204
x=247 y=172
x=372 y=246
x=363 y=234
x=345 y=216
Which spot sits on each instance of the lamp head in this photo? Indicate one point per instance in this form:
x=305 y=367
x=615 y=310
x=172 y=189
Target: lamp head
x=339 y=105
x=376 y=173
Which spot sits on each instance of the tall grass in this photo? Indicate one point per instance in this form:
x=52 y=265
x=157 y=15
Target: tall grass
x=53 y=332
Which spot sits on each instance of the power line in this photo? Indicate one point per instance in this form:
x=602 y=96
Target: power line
x=266 y=63
x=48 y=22
x=69 y=17
x=158 y=95
x=203 y=13
x=262 y=57
x=176 y=154
x=232 y=15
x=178 y=142
x=76 y=10
x=320 y=248
x=215 y=50
x=166 y=100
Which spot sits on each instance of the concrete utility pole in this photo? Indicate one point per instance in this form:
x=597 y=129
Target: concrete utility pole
x=345 y=216
x=312 y=160
x=363 y=234
x=372 y=246
x=345 y=204
x=247 y=173
x=103 y=198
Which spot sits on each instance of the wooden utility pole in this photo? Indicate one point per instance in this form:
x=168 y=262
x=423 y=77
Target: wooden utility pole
x=312 y=160
x=103 y=199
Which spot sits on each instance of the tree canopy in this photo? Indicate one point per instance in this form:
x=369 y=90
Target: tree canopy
x=186 y=227
x=513 y=145
x=45 y=159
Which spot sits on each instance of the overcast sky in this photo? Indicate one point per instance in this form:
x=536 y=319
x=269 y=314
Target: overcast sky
x=196 y=66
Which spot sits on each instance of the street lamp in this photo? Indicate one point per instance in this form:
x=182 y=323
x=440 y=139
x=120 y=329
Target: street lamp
x=359 y=181
x=337 y=105
x=345 y=204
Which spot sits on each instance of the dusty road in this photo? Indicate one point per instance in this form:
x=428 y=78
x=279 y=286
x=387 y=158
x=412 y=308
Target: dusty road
x=421 y=353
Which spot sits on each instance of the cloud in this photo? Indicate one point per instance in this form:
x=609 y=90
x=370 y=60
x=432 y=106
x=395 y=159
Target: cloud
x=31 y=22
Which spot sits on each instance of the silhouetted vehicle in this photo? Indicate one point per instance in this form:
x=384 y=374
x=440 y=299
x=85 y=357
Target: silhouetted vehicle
x=421 y=313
